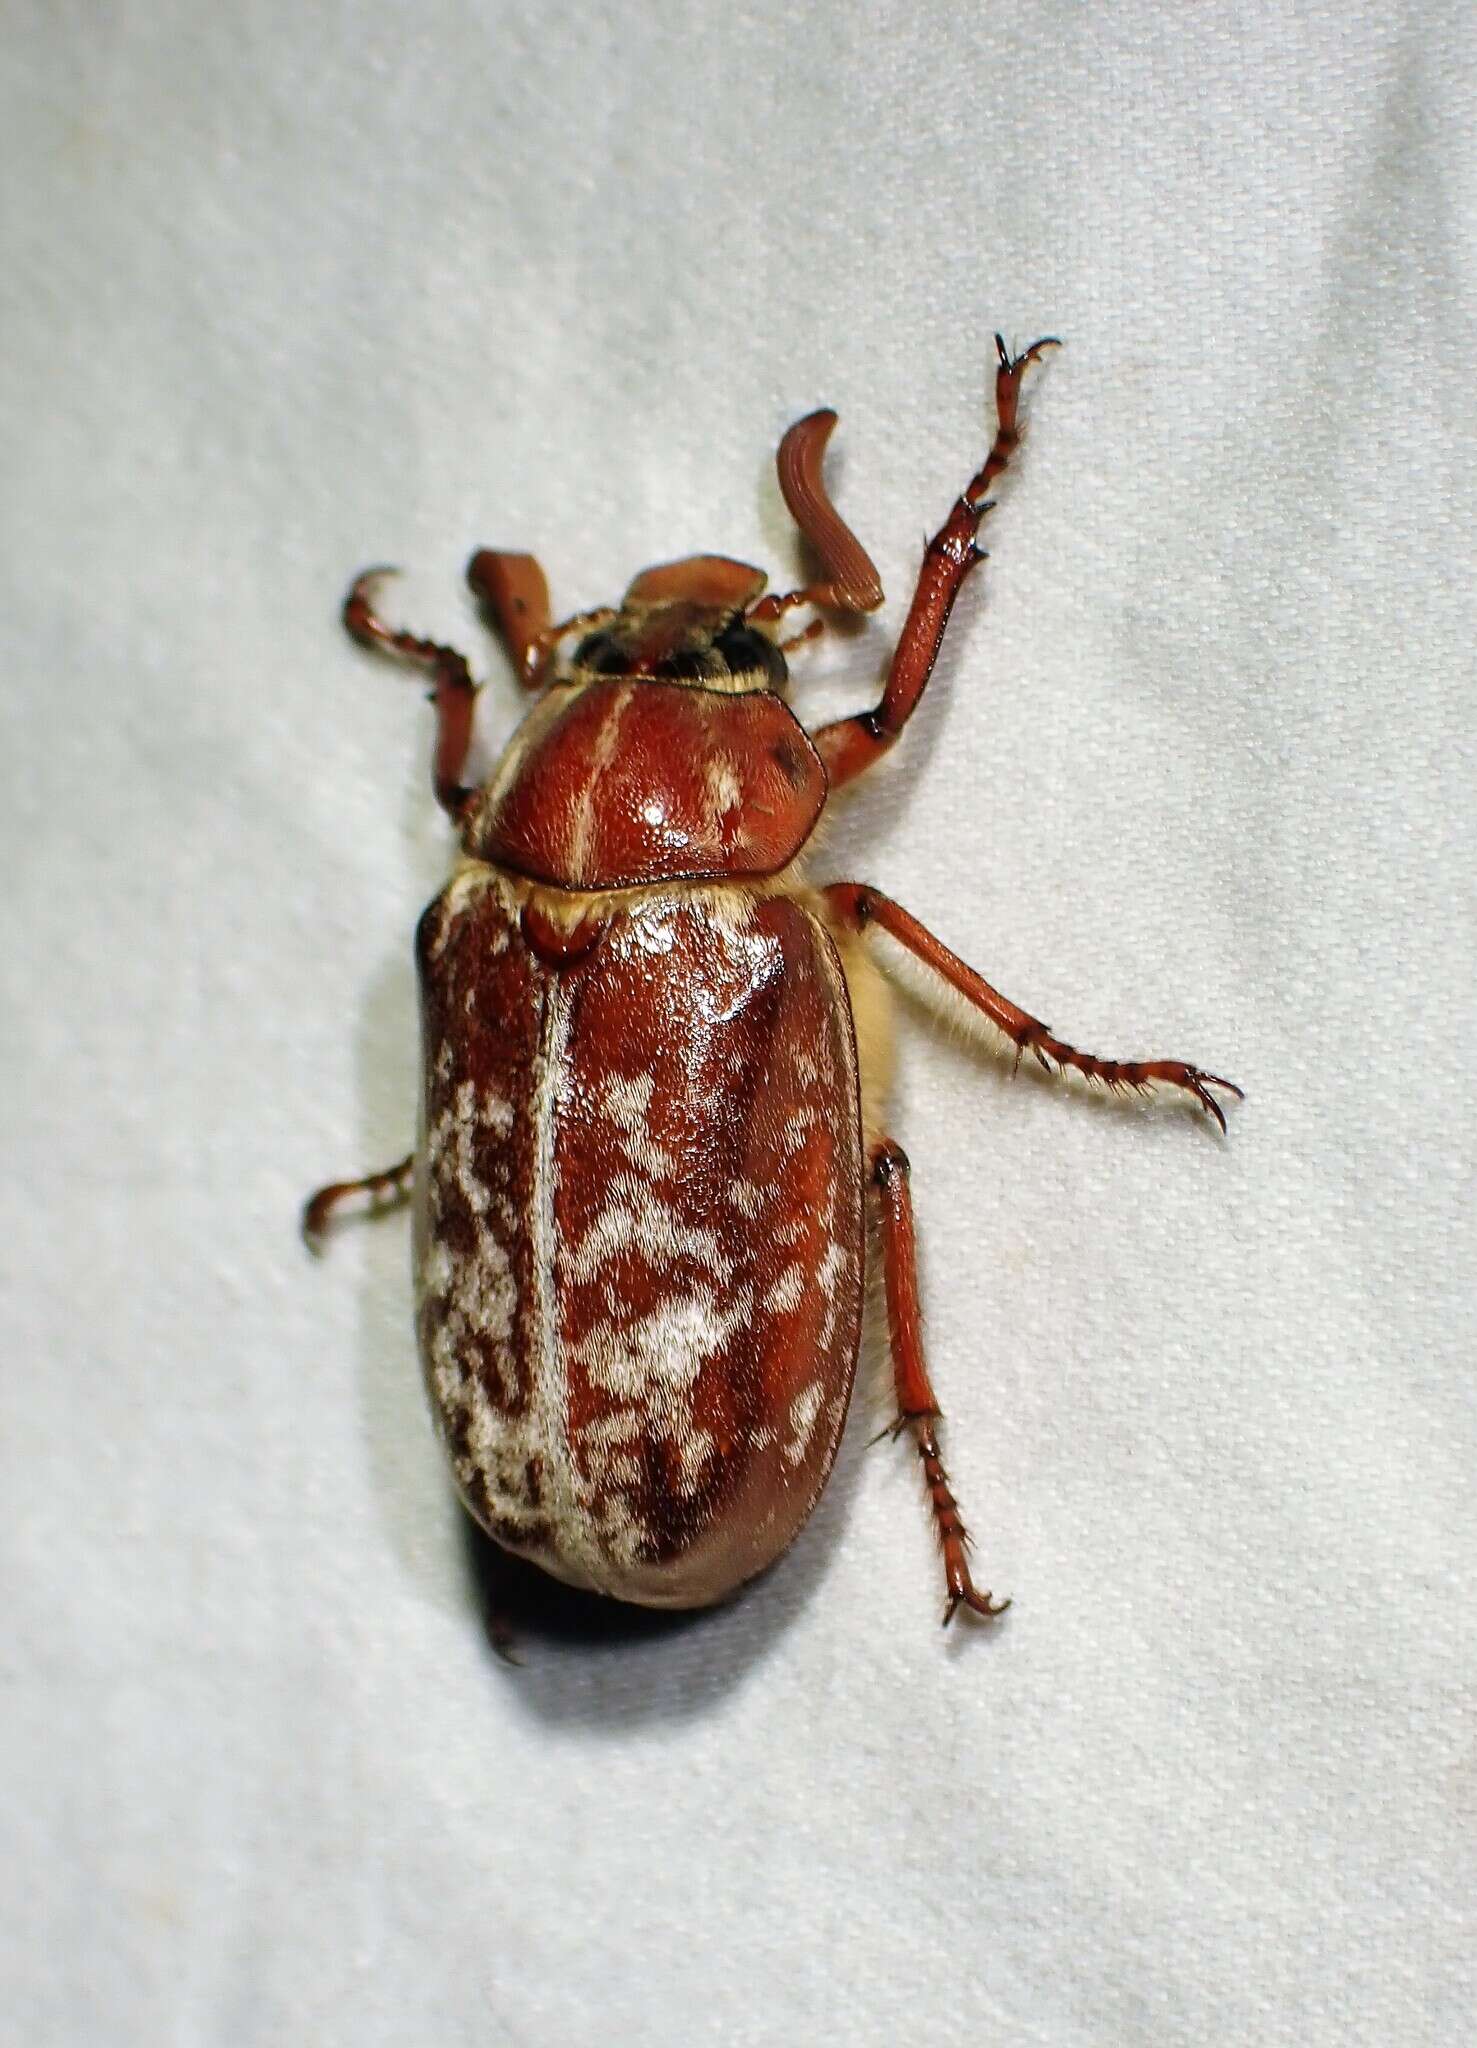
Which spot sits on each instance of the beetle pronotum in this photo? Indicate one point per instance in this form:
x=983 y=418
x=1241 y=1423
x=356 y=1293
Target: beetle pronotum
x=656 y=1062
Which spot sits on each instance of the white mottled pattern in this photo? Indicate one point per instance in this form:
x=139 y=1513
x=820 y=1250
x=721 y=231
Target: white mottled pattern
x=475 y=1298
x=578 y=1557
x=628 y=1106
x=786 y=1292
x=804 y=1411
x=501 y=1368
x=724 y=788
x=607 y=747
x=636 y=1218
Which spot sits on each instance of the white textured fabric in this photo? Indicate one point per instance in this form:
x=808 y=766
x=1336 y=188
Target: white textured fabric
x=293 y=290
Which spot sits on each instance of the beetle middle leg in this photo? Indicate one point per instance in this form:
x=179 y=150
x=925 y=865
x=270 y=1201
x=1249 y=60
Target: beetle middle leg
x=918 y=1408
x=850 y=745
x=855 y=906
x=383 y=1191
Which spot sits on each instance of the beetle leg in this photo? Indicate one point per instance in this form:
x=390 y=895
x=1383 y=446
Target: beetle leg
x=918 y=1408
x=811 y=632
x=577 y=622
x=856 y=905
x=514 y=590
x=850 y=745
x=452 y=690
x=386 y=1191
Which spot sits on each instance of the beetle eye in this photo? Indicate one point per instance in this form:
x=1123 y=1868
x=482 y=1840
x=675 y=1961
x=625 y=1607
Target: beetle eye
x=749 y=652
x=602 y=653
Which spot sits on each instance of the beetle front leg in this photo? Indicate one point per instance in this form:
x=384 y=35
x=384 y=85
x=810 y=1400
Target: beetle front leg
x=453 y=692
x=384 y=1191
x=918 y=1408
x=851 y=745
x=856 y=906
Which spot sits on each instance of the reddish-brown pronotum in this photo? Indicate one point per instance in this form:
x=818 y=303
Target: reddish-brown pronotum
x=657 y=1062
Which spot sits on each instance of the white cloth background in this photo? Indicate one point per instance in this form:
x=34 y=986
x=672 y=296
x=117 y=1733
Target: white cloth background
x=291 y=290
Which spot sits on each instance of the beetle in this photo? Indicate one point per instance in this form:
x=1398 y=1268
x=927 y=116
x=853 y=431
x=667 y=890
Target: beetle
x=656 y=1063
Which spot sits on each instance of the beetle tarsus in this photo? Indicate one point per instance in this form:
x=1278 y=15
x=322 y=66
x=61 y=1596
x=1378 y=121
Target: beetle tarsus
x=855 y=904
x=918 y=1408
x=365 y=625
x=1009 y=363
x=1200 y=1085
x=362 y=622
x=954 y=1538
x=849 y=746
x=387 y=1190
x=453 y=691
x=978 y=1603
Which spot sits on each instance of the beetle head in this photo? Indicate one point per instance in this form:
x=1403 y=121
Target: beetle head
x=687 y=622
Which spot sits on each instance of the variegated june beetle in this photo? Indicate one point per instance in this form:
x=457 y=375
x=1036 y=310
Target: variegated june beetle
x=656 y=1065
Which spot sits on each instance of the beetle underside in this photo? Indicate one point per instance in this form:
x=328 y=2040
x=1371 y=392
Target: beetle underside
x=656 y=1065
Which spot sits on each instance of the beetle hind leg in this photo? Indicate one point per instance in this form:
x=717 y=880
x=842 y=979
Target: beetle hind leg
x=383 y=1191
x=918 y=1409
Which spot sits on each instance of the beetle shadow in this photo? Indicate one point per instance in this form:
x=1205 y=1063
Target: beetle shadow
x=578 y=1661
x=404 y=1475
x=575 y=1659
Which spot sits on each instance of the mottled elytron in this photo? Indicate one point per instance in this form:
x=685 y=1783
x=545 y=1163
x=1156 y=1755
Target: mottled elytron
x=657 y=1061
